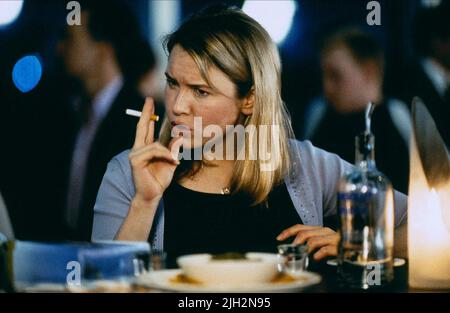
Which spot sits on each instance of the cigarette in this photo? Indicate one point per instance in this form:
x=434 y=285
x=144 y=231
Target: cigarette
x=135 y=113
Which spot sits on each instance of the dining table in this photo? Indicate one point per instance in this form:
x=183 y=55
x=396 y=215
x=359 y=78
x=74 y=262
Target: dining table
x=24 y=265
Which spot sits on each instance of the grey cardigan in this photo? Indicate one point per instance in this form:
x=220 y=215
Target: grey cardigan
x=312 y=185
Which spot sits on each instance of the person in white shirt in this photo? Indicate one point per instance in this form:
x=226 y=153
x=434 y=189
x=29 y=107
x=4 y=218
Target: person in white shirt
x=429 y=77
x=99 y=53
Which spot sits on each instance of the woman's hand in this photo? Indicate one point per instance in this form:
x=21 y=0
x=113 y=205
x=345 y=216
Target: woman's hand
x=322 y=239
x=153 y=165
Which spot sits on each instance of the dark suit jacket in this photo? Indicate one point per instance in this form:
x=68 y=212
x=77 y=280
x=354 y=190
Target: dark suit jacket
x=115 y=134
x=36 y=169
x=336 y=133
x=417 y=83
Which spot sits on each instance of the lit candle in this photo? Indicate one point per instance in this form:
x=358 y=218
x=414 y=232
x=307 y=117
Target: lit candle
x=428 y=205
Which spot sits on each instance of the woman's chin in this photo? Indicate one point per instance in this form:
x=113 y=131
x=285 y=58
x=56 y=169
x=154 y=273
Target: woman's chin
x=190 y=144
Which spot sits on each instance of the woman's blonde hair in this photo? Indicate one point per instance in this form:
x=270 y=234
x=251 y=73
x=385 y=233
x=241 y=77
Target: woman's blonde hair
x=233 y=42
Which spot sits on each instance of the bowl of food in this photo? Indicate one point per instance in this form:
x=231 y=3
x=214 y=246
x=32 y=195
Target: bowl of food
x=229 y=268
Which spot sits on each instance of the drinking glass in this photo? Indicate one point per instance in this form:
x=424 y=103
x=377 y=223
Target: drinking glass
x=292 y=258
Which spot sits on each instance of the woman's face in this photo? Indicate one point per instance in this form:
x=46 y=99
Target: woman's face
x=187 y=95
x=345 y=82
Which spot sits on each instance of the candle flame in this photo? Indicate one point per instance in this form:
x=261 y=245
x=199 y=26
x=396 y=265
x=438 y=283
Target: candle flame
x=428 y=204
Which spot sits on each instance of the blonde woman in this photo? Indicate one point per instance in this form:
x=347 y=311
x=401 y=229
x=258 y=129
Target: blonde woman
x=223 y=70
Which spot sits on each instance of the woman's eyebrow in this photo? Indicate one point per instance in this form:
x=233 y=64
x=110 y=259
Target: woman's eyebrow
x=199 y=86
x=189 y=85
x=169 y=77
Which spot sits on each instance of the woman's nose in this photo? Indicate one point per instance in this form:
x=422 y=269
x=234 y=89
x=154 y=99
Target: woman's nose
x=181 y=104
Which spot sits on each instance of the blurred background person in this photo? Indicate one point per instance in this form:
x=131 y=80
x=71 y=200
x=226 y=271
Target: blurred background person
x=145 y=70
x=144 y=74
x=102 y=53
x=352 y=65
x=60 y=135
x=429 y=75
x=5 y=223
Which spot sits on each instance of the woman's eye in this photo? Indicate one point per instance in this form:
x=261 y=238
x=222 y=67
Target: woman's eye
x=170 y=83
x=201 y=93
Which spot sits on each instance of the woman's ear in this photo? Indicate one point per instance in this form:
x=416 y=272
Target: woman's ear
x=248 y=102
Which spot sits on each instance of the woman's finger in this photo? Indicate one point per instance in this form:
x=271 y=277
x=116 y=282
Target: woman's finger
x=151 y=124
x=143 y=157
x=139 y=150
x=147 y=148
x=315 y=243
x=144 y=124
x=324 y=252
x=304 y=235
x=291 y=231
x=174 y=147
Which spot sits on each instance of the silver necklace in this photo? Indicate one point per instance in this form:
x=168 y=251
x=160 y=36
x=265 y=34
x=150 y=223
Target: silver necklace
x=225 y=191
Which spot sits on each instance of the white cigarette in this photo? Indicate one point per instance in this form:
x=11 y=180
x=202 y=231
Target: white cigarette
x=131 y=112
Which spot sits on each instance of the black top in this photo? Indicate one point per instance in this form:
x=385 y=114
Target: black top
x=197 y=222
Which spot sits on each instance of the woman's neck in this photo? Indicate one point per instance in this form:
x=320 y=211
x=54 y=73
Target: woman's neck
x=212 y=177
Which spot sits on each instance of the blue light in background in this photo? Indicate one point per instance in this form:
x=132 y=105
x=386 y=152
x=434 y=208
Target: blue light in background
x=9 y=11
x=275 y=16
x=27 y=73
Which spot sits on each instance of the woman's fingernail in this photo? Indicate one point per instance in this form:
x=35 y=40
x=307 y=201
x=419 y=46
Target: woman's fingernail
x=175 y=153
x=317 y=256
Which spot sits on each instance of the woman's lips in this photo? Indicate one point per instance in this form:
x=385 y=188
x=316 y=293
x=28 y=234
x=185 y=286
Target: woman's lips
x=180 y=128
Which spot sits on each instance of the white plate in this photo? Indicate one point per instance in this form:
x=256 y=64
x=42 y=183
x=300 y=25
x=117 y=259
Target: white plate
x=42 y=287
x=162 y=280
x=257 y=268
x=103 y=286
x=397 y=262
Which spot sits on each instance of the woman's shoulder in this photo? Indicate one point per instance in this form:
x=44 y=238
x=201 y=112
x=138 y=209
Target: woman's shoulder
x=310 y=154
x=316 y=166
x=313 y=177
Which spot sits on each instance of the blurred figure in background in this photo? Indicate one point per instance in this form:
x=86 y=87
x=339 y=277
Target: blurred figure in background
x=6 y=230
x=145 y=70
x=429 y=76
x=352 y=63
x=144 y=75
x=102 y=54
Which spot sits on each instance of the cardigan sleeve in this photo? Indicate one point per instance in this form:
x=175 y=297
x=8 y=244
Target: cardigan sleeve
x=113 y=199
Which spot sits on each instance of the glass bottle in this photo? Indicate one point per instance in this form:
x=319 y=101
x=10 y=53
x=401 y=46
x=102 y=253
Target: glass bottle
x=366 y=220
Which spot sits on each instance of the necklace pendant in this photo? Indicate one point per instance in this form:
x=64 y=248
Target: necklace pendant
x=225 y=191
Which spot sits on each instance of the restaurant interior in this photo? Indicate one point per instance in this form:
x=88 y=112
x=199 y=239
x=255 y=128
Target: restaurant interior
x=366 y=88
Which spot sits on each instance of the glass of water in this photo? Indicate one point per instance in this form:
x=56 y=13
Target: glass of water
x=292 y=259
x=158 y=260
